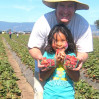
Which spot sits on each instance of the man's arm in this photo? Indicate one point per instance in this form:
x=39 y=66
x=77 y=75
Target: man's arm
x=82 y=56
x=35 y=53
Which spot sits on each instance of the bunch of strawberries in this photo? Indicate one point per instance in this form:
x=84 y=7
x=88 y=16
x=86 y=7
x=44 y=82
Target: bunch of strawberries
x=48 y=62
x=69 y=61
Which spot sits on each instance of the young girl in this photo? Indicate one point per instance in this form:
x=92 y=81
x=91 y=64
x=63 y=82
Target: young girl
x=59 y=79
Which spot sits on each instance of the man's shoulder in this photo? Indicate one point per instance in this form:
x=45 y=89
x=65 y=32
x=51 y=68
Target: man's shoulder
x=47 y=19
x=50 y=13
x=78 y=22
x=79 y=19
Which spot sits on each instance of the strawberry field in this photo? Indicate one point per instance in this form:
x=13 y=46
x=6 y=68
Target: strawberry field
x=8 y=85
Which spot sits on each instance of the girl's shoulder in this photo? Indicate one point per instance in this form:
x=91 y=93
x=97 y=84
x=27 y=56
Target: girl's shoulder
x=48 y=55
x=71 y=54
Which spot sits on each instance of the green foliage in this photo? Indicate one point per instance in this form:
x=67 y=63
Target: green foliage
x=19 y=45
x=92 y=64
x=8 y=86
x=85 y=91
x=97 y=23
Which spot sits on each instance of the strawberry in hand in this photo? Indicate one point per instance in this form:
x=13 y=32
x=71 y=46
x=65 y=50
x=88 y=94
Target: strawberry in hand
x=48 y=62
x=70 y=62
x=60 y=55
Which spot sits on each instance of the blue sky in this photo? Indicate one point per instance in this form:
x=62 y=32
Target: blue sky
x=31 y=10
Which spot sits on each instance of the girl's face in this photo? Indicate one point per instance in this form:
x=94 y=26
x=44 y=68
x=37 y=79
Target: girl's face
x=59 y=42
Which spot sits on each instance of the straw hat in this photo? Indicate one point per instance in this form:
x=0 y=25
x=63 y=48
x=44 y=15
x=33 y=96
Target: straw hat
x=53 y=3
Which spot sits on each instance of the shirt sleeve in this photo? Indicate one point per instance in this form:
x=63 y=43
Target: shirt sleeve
x=85 y=43
x=39 y=34
x=82 y=33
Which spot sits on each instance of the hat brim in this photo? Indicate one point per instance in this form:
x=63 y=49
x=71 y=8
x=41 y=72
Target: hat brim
x=53 y=4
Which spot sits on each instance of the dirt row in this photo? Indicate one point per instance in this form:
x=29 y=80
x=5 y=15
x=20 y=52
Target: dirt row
x=90 y=81
x=22 y=72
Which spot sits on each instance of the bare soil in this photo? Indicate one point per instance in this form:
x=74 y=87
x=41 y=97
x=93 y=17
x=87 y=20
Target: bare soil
x=23 y=84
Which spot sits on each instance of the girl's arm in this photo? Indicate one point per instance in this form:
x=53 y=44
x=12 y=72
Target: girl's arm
x=74 y=75
x=43 y=75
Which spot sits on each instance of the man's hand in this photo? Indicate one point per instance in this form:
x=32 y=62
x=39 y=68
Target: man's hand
x=35 y=53
x=42 y=67
x=82 y=57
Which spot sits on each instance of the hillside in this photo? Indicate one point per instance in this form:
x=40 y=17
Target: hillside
x=14 y=26
x=24 y=26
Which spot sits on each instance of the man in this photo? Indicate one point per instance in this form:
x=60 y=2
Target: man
x=64 y=13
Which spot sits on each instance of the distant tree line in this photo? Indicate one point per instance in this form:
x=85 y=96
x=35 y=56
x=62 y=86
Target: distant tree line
x=97 y=23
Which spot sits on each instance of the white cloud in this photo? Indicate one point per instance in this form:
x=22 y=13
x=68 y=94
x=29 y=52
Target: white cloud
x=24 y=7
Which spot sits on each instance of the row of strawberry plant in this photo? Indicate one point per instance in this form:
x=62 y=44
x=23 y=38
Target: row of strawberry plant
x=22 y=52
x=92 y=64
x=85 y=91
x=22 y=39
x=8 y=86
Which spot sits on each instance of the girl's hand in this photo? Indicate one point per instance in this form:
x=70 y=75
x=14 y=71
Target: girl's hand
x=60 y=57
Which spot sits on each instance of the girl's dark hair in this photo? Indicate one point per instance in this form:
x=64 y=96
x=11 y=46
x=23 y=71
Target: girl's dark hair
x=63 y=29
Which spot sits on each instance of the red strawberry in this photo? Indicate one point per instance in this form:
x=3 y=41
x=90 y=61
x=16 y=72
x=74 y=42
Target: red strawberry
x=47 y=62
x=70 y=61
x=52 y=62
x=44 y=61
x=57 y=51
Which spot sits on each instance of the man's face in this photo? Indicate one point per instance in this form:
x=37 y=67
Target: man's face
x=65 y=11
